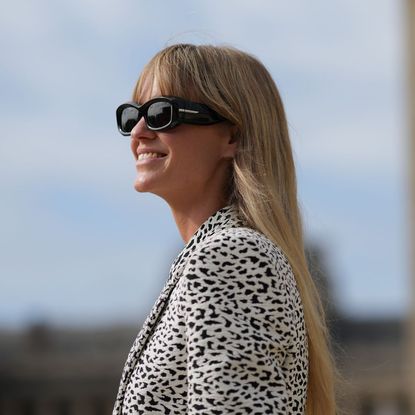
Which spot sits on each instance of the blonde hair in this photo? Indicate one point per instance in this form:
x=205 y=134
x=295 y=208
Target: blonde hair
x=263 y=180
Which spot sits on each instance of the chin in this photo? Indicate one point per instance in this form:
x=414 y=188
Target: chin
x=144 y=187
x=139 y=187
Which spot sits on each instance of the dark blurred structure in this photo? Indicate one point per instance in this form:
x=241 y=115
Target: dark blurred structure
x=370 y=353
x=46 y=371
x=410 y=351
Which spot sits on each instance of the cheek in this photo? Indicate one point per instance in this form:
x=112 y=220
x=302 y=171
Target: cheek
x=197 y=160
x=194 y=153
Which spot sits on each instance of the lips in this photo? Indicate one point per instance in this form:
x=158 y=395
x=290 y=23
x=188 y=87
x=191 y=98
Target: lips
x=142 y=150
x=145 y=156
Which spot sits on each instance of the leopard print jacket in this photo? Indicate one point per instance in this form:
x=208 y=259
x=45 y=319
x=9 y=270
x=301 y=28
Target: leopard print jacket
x=227 y=333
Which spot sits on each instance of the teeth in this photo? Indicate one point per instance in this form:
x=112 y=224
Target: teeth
x=143 y=156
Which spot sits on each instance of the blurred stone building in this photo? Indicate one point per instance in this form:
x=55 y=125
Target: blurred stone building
x=46 y=371
x=410 y=351
x=370 y=354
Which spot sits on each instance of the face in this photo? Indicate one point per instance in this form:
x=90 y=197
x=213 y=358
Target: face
x=195 y=161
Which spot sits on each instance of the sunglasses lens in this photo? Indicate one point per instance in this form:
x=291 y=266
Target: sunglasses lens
x=129 y=118
x=159 y=115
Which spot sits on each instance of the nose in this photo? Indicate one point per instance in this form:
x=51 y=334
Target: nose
x=140 y=130
x=138 y=133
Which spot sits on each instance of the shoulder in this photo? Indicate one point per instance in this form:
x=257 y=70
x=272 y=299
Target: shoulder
x=241 y=269
x=246 y=245
x=244 y=254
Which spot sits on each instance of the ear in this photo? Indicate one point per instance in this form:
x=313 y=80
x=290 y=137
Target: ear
x=232 y=142
x=234 y=133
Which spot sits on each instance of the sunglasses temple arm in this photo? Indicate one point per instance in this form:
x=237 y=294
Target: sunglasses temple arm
x=198 y=114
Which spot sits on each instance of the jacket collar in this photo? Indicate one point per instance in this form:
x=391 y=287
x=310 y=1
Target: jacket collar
x=226 y=217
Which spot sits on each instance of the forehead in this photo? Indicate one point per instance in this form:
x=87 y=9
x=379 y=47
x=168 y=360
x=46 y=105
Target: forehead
x=164 y=81
x=149 y=88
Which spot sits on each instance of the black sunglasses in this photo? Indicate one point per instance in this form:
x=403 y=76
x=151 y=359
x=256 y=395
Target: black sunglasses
x=164 y=113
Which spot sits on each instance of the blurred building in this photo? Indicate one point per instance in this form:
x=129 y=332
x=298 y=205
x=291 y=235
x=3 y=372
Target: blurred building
x=410 y=31
x=370 y=353
x=46 y=371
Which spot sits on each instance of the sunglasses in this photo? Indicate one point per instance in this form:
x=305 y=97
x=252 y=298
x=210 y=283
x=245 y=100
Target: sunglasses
x=164 y=113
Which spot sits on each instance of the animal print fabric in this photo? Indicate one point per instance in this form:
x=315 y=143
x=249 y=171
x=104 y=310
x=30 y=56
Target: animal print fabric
x=227 y=333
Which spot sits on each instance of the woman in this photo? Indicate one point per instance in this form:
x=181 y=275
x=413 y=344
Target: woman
x=239 y=327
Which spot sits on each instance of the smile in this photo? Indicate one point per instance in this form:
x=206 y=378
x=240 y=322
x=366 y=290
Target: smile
x=145 y=156
x=148 y=158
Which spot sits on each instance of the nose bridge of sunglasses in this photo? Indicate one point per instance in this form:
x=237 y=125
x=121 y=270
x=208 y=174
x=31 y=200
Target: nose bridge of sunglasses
x=155 y=115
x=141 y=124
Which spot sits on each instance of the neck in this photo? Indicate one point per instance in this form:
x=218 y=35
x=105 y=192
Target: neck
x=189 y=217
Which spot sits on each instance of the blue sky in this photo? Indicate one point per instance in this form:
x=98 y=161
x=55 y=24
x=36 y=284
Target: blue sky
x=80 y=246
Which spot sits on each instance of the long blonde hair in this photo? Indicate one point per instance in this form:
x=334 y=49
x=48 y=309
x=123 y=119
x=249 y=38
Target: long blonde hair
x=263 y=181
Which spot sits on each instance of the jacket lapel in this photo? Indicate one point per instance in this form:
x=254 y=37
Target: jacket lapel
x=226 y=217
